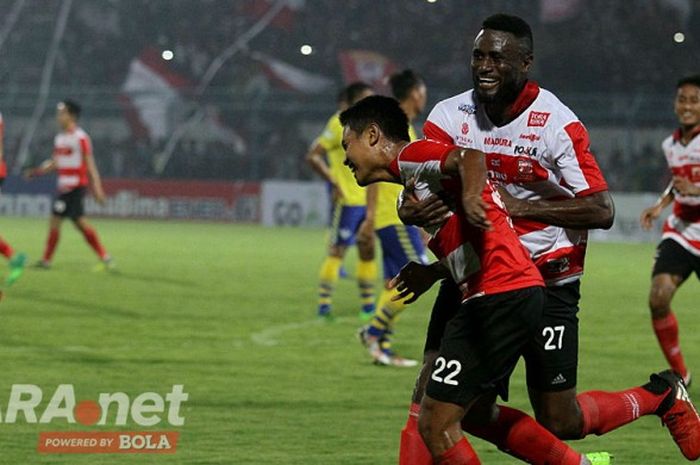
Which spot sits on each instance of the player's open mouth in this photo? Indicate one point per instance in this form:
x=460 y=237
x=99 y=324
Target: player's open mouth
x=487 y=83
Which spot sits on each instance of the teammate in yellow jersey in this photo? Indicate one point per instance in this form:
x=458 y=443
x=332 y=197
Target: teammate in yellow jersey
x=400 y=243
x=349 y=213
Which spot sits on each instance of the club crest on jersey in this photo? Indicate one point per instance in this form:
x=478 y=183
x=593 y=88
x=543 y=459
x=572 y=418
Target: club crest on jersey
x=498 y=141
x=465 y=128
x=525 y=167
x=468 y=108
x=537 y=119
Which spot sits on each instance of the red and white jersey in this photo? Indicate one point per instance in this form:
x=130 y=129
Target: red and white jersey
x=683 y=225
x=481 y=262
x=543 y=153
x=70 y=151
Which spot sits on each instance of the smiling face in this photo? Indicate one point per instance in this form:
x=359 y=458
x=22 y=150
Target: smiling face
x=361 y=153
x=499 y=66
x=63 y=116
x=687 y=105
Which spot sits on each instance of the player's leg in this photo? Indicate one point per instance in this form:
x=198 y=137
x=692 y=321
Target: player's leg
x=330 y=268
x=51 y=240
x=397 y=250
x=672 y=266
x=412 y=450
x=367 y=265
x=440 y=428
x=90 y=235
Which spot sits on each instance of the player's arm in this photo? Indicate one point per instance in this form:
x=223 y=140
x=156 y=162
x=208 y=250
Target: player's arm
x=430 y=211
x=416 y=278
x=46 y=167
x=316 y=159
x=588 y=212
x=650 y=214
x=470 y=165
x=95 y=179
x=366 y=231
x=685 y=186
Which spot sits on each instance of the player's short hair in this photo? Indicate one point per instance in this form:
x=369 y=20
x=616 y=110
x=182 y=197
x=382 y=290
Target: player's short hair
x=72 y=107
x=513 y=24
x=354 y=90
x=403 y=82
x=384 y=111
x=693 y=80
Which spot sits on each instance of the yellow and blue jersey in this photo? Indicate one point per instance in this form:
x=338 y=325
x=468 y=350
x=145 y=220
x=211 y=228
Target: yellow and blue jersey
x=332 y=141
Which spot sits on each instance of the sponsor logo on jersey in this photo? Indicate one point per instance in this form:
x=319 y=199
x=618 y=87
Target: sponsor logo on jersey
x=525 y=167
x=523 y=150
x=498 y=141
x=530 y=137
x=62 y=151
x=465 y=128
x=559 y=379
x=537 y=119
x=468 y=108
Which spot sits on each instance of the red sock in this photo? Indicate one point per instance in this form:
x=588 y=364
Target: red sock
x=51 y=243
x=461 y=453
x=605 y=411
x=92 y=239
x=666 y=330
x=413 y=450
x=522 y=437
x=5 y=249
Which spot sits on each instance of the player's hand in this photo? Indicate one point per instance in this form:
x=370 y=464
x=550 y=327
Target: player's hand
x=475 y=210
x=414 y=278
x=648 y=216
x=684 y=186
x=431 y=211
x=100 y=197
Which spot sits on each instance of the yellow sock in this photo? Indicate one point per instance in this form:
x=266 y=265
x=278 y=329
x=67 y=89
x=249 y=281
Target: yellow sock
x=366 y=277
x=387 y=313
x=328 y=276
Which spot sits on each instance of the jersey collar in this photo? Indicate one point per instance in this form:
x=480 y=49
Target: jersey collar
x=524 y=99
x=678 y=134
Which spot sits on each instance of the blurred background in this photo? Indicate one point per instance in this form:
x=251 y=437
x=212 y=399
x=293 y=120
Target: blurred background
x=237 y=90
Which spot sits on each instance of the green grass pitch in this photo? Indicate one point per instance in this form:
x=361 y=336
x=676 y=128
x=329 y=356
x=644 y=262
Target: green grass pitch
x=228 y=311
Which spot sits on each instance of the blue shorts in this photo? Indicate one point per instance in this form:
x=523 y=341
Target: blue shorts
x=400 y=245
x=346 y=222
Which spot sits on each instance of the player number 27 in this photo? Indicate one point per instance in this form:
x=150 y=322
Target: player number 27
x=440 y=365
x=554 y=335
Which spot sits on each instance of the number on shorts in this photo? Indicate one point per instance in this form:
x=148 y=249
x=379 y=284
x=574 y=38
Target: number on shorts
x=552 y=333
x=441 y=364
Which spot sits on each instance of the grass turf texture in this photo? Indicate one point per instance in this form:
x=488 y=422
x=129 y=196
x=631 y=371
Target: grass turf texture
x=228 y=311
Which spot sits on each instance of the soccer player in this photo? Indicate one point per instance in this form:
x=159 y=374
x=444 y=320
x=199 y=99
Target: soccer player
x=400 y=243
x=73 y=160
x=678 y=254
x=326 y=157
x=501 y=289
x=16 y=260
x=539 y=151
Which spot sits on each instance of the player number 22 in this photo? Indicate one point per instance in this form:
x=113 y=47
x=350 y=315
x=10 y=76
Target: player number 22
x=554 y=334
x=442 y=364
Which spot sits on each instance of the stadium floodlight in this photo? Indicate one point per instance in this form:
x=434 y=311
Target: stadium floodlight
x=679 y=37
x=167 y=55
x=306 y=49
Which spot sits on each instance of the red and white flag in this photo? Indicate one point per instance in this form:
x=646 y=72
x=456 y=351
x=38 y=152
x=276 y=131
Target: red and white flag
x=368 y=66
x=292 y=78
x=149 y=94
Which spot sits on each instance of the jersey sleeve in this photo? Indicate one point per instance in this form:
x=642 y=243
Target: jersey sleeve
x=430 y=155
x=332 y=136
x=577 y=165
x=437 y=126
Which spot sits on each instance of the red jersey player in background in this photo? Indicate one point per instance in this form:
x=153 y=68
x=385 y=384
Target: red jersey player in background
x=678 y=254
x=539 y=151
x=501 y=289
x=16 y=260
x=72 y=159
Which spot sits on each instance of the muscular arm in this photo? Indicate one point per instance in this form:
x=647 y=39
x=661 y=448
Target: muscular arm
x=589 y=212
